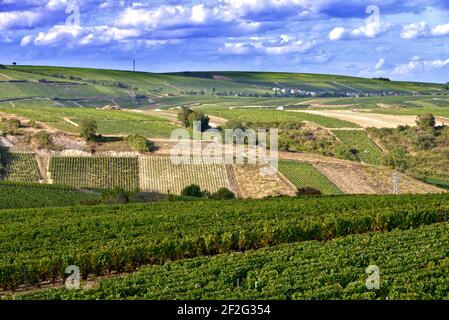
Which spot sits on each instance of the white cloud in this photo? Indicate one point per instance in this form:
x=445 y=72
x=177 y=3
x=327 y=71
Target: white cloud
x=417 y=64
x=440 y=30
x=370 y=30
x=26 y=40
x=269 y=46
x=19 y=19
x=380 y=64
x=81 y=36
x=421 y=30
x=414 y=30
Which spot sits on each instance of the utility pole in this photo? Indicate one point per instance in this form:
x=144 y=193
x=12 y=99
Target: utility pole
x=134 y=65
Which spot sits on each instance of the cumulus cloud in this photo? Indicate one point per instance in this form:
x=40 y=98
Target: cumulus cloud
x=419 y=65
x=421 y=30
x=80 y=36
x=369 y=30
x=269 y=46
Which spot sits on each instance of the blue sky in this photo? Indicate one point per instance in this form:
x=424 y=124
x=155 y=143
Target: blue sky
x=403 y=40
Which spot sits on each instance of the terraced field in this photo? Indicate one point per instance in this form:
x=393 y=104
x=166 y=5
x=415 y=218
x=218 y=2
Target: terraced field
x=367 y=151
x=160 y=174
x=95 y=172
x=304 y=175
x=19 y=167
x=270 y=115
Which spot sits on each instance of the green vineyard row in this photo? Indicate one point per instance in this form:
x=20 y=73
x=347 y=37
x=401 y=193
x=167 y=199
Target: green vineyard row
x=104 y=239
x=412 y=264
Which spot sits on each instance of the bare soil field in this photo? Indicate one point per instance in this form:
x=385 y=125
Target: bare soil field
x=254 y=185
x=365 y=120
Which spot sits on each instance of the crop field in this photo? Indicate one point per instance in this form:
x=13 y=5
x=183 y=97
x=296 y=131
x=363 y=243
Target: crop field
x=103 y=239
x=110 y=122
x=304 y=175
x=308 y=270
x=95 y=172
x=367 y=150
x=19 y=167
x=270 y=115
x=20 y=195
x=160 y=174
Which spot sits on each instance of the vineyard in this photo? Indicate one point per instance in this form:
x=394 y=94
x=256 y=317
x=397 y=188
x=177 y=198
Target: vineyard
x=367 y=150
x=20 y=195
x=413 y=264
x=18 y=167
x=160 y=174
x=95 y=172
x=105 y=239
x=304 y=175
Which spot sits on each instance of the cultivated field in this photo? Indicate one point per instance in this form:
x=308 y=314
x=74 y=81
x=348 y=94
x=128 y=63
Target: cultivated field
x=160 y=174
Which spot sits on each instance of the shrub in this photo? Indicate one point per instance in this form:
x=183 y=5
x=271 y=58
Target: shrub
x=223 y=194
x=115 y=196
x=426 y=122
x=88 y=130
x=192 y=191
x=43 y=139
x=424 y=141
x=397 y=159
x=139 y=143
x=307 y=191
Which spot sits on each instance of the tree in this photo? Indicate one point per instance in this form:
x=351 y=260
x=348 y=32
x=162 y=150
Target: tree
x=223 y=194
x=192 y=191
x=88 y=130
x=426 y=122
x=183 y=116
x=201 y=118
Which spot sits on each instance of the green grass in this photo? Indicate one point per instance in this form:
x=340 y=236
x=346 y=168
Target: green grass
x=110 y=122
x=270 y=115
x=441 y=183
x=102 y=239
x=411 y=264
x=304 y=175
x=367 y=150
x=21 y=195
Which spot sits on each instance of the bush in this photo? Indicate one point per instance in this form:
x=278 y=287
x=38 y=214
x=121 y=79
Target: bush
x=397 y=159
x=88 y=130
x=183 y=116
x=223 y=194
x=426 y=122
x=424 y=141
x=192 y=191
x=115 y=196
x=139 y=143
x=307 y=191
x=43 y=139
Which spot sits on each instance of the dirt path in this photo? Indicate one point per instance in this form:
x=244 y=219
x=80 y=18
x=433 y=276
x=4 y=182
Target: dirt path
x=71 y=122
x=5 y=77
x=365 y=119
